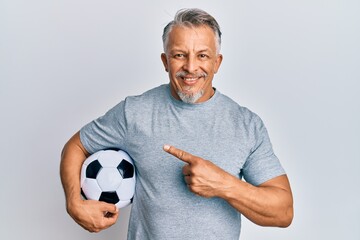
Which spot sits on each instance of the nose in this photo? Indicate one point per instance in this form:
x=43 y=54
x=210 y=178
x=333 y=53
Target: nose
x=191 y=65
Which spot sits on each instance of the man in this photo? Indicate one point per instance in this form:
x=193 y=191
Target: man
x=191 y=146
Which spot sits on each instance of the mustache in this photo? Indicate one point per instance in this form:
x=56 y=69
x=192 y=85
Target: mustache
x=191 y=75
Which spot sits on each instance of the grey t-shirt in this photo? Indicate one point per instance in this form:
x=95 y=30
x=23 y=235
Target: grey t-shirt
x=219 y=130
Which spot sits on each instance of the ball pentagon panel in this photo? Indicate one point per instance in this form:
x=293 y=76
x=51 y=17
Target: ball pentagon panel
x=109 y=179
x=126 y=169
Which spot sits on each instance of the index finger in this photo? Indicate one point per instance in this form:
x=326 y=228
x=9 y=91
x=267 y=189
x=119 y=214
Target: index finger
x=180 y=154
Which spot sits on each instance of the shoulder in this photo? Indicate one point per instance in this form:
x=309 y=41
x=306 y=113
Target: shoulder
x=150 y=96
x=240 y=112
x=138 y=104
x=142 y=106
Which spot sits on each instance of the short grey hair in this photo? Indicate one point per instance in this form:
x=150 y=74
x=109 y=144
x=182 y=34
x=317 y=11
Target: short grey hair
x=193 y=17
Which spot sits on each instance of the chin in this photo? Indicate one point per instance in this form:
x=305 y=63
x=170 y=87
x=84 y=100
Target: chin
x=190 y=97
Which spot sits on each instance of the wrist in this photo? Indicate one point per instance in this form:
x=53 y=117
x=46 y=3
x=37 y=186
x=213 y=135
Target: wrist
x=73 y=203
x=229 y=186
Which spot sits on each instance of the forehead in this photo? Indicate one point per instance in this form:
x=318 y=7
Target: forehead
x=191 y=37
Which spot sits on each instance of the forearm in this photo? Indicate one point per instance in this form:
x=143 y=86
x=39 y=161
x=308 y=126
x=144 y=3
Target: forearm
x=269 y=204
x=94 y=216
x=72 y=157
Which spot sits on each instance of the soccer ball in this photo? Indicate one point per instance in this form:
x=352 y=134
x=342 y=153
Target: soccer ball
x=109 y=176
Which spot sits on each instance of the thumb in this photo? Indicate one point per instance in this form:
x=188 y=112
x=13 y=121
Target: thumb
x=109 y=208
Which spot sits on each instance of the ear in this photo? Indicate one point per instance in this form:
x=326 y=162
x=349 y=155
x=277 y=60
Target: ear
x=218 y=62
x=165 y=62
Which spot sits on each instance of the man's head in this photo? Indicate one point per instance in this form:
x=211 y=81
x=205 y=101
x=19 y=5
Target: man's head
x=193 y=17
x=192 y=44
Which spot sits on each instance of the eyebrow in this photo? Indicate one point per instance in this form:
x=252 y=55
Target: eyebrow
x=183 y=51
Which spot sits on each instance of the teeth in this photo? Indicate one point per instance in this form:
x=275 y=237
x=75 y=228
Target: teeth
x=190 y=79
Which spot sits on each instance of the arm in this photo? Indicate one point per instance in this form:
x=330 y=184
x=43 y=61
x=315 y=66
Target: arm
x=92 y=215
x=269 y=204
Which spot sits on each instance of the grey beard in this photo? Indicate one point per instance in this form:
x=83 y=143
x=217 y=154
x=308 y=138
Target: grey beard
x=190 y=98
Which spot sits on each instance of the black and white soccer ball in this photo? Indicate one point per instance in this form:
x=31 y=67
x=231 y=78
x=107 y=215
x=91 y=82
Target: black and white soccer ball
x=109 y=176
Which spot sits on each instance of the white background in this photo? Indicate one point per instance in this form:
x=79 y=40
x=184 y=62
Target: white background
x=295 y=63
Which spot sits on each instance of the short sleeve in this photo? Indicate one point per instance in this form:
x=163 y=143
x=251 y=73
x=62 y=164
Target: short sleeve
x=262 y=164
x=106 y=132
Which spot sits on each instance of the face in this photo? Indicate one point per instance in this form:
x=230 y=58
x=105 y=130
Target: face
x=191 y=60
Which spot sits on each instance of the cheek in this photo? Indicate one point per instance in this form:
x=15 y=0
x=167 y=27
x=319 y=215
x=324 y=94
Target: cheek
x=173 y=68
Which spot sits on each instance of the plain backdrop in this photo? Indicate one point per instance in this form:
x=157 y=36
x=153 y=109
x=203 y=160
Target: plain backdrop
x=294 y=63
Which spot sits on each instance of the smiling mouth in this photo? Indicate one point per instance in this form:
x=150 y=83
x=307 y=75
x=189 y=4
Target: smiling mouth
x=190 y=79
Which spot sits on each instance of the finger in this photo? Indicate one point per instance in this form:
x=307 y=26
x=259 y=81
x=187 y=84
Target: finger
x=111 y=213
x=113 y=216
x=180 y=154
x=194 y=190
x=108 y=220
x=186 y=170
x=109 y=208
x=188 y=180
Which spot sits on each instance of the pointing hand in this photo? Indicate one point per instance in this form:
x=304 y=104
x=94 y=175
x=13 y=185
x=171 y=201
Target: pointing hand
x=201 y=176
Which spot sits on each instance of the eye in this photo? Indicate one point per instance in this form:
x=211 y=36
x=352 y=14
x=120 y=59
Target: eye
x=203 y=56
x=179 y=55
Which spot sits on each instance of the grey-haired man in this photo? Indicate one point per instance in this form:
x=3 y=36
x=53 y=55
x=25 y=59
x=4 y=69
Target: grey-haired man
x=191 y=146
